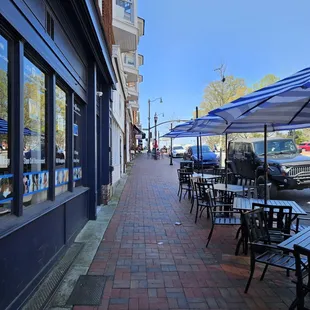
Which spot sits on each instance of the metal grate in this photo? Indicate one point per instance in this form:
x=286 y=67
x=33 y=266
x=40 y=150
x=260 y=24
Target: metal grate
x=299 y=170
x=87 y=291
x=53 y=279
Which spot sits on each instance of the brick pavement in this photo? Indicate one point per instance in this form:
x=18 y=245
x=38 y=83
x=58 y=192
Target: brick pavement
x=180 y=273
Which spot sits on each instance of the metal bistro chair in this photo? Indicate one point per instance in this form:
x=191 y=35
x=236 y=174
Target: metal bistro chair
x=219 y=216
x=302 y=272
x=184 y=184
x=279 y=221
x=262 y=251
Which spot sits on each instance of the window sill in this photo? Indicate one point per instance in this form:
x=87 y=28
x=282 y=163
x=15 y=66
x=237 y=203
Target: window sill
x=10 y=223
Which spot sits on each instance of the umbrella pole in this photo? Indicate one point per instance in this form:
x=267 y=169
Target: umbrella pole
x=197 y=143
x=201 y=153
x=265 y=163
x=226 y=172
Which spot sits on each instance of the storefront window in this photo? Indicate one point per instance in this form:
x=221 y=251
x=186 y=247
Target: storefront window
x=77 y=131
x=35 y=143
x=62 y=172
x=6 y=178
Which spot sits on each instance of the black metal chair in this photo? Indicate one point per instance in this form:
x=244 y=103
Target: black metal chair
x=279 y=221
x=184 y=184
x=302 y=273
x=262 y=251
x=201 y=198
x=219 y=216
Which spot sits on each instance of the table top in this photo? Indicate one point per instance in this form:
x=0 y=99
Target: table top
x=205 y=176
x=228 y=188
x=302 y=238
x=246 y=204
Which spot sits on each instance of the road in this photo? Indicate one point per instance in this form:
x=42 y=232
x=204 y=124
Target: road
x=302 y=197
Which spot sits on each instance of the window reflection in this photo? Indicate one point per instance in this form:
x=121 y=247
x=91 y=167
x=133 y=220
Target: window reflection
x=6 y=178
x=35 y=178
x=77 y=131
x=62 y=172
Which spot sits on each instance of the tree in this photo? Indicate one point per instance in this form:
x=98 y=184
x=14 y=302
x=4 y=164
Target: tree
x=265 y=81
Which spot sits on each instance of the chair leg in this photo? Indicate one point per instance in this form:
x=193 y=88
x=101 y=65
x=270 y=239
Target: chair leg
x=287 y=273
x=180 y=194
x=238 y=232
x=197 y=209
x=251 y=276
x=264 y=272
x=179 y=189
x=201 y=210
x=210 y=235
x=193 y=202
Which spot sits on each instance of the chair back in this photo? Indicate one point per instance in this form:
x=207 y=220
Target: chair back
x=277 y=217
x=201 y=188
x=302 y=271
x=250 y=192
x=256 y=225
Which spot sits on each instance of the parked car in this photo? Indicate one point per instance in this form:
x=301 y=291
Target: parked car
x=208 y=158
x=177 y=151
x=304 y=146
x=288 y=169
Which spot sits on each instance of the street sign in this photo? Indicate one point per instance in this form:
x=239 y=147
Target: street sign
x=138 y=136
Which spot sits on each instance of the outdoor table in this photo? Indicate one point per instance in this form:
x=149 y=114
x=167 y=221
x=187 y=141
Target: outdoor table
x=245 y=204
x=229 y=188
x=302 y=238
x=205 y=176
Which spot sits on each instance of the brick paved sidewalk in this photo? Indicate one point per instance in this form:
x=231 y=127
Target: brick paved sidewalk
x=180 y=273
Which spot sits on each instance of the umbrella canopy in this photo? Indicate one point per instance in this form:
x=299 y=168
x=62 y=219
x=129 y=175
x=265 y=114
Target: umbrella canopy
x=217 y=125
x=184 y=126
x=286 y=102
x=185 y=134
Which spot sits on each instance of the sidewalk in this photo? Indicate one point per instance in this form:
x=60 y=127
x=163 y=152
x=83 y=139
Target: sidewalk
x=147 y=262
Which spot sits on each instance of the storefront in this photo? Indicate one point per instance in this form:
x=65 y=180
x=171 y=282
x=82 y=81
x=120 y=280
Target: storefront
x=54 y=134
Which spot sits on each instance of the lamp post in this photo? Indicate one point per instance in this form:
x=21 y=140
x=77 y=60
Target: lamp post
x=149 y=123
x=171 y=163
x=155 y=142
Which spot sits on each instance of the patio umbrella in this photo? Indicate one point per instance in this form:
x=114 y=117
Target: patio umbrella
x=284 y=103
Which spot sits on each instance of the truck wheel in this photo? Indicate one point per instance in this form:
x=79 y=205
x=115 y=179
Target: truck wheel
x=273 y=189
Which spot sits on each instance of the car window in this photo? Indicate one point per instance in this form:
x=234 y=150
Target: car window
x=239 y=147
x=178 y=147
x=247 y=148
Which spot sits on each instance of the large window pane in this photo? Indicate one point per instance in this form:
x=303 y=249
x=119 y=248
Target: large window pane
x=6 y=178
x=77 y=133
x=35 y=143
x=62 y=172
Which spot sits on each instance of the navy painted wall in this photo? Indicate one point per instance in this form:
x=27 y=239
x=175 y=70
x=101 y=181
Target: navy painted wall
x=28 y=250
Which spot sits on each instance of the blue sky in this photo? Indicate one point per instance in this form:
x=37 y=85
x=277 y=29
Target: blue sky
x=186 y=40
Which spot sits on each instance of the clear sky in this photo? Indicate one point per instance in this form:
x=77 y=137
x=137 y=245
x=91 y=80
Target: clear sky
x=185 y=40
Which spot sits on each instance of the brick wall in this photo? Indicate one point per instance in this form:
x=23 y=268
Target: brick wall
x=107 y=22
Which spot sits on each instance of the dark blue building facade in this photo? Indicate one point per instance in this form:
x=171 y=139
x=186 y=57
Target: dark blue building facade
x=56 y=77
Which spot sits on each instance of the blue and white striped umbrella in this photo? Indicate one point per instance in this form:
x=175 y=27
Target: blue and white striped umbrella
x=184 y=126
x=285 y=102
x=185 y=134
x=216 y=125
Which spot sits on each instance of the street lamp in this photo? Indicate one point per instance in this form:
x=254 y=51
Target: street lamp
x=155 y=141
x=149 y=120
